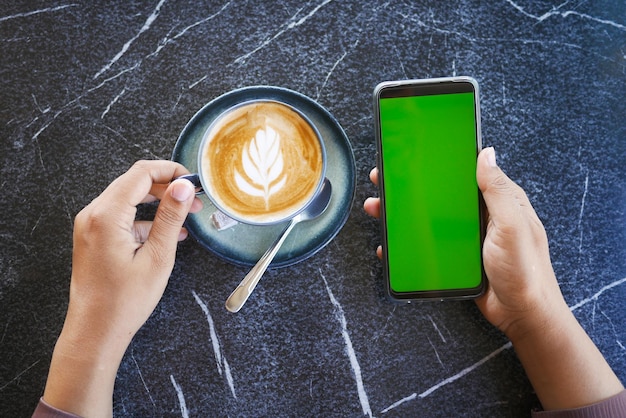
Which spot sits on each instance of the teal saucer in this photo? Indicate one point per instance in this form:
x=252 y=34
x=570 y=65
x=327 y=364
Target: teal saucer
x=244 y=244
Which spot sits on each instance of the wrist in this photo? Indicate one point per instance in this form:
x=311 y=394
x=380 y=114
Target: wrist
x=563 y=364
x=91 y=347
x=95 y=336
x=84 y=367
x=80 y=380
x=548 y=314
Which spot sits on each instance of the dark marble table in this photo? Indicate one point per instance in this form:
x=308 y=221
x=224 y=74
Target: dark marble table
x=87 y=88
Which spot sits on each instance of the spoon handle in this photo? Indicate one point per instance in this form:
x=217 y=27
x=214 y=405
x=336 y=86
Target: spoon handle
x=240 y=295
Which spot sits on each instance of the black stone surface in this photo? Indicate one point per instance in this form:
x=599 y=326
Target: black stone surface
x=87 y=88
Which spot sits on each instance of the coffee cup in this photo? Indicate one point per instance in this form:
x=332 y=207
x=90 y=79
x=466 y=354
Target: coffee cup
x=261 y=162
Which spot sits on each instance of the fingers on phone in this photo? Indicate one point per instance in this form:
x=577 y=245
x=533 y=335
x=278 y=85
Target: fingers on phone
x=372 y=206
x=374 y=175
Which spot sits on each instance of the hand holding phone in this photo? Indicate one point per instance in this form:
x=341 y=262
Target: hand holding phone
x=428 y=138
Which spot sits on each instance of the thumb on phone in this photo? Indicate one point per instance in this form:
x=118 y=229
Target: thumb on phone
x=515 y=249
x=506 y=202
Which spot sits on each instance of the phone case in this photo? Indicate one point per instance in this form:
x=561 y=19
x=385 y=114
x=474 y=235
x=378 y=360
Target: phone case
x=403 y=88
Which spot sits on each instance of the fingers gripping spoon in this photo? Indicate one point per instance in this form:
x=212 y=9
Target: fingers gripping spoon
x=240 y=295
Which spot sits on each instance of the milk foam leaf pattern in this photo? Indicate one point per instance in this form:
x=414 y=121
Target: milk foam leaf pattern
x=262 y=162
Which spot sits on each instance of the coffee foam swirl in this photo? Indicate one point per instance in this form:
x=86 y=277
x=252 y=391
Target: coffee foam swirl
x=262 y=162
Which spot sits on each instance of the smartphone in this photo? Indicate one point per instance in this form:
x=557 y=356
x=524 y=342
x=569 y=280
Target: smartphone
x=432 y=213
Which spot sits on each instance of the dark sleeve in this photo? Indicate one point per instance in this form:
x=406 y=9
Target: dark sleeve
x=614 y=407
x=44 y=410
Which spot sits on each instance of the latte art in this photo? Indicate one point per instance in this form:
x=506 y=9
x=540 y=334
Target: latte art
x=262 y=162
x=263 y=165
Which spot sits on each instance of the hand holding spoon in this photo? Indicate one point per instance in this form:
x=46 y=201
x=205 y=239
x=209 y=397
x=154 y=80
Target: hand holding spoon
x=240 y=295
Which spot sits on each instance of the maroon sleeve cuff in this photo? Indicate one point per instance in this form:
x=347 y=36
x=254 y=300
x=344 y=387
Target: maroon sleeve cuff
x=44 y=410
x=614 y=406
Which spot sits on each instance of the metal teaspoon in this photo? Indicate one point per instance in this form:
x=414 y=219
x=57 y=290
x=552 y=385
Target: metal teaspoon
x=240 y=295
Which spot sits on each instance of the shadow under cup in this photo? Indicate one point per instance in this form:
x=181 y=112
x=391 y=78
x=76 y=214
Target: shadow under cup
x=261 y=162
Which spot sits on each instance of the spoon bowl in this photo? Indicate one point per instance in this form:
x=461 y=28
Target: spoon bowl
x=317 y=206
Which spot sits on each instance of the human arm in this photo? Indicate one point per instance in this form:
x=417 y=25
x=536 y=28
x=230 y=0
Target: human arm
x=524 y=301
x=120 y=269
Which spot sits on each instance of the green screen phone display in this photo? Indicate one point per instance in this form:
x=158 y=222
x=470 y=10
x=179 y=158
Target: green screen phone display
x=428 y=141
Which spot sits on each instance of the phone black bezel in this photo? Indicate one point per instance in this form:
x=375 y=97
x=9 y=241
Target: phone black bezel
x=407 y=88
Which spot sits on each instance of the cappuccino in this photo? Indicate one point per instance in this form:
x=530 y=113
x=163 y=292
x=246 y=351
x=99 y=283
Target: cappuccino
x=261 y=162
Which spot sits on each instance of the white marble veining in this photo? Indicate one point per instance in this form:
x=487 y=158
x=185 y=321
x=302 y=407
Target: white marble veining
x=89 y=88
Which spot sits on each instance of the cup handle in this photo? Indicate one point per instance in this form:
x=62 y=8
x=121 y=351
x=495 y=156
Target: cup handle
x=195 y=180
